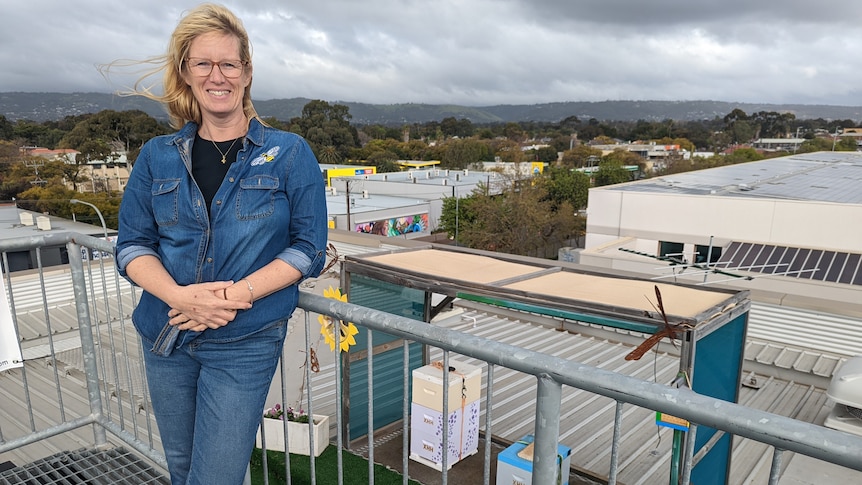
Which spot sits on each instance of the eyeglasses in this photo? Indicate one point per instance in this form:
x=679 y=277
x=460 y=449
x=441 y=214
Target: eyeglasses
x=204 y=67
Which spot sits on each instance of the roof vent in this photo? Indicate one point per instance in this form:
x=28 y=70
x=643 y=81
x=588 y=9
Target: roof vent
x=43 y=223
x=26 y=218
x=745 y=187
x=846 y=415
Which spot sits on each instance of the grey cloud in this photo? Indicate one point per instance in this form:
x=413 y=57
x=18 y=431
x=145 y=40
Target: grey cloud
x=475 y=52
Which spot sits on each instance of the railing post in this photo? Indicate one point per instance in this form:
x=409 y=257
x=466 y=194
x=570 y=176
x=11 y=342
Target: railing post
x=88 y=348
x=775 y=471
x=615 y=444
x=549 y=395
x=688 y=456
x=489 y=406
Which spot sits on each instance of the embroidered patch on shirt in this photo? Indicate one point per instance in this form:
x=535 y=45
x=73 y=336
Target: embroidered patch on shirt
x=265 y=157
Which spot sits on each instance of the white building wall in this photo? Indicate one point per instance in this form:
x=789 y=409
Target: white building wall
x=694 y=218
x=367 y=216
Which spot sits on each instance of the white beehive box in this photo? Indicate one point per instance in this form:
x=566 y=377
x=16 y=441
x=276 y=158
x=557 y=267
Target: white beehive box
x=426 y=434
x=465 y=384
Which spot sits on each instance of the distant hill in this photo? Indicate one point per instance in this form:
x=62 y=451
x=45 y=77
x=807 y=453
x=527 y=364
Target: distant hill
x=54 y=106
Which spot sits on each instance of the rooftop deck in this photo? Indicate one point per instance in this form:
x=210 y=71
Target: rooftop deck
x=781 y=379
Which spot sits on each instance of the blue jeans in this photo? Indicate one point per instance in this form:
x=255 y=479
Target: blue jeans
x=208 y=398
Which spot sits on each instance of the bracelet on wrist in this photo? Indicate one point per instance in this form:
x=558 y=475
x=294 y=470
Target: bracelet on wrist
x=250 y=289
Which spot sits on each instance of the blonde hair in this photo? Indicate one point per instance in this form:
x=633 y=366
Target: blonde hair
x=177 y=97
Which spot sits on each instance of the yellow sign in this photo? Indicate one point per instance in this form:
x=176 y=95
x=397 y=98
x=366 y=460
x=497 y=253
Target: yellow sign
x=669 y=421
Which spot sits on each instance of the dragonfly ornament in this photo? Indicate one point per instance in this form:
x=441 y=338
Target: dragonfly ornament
x=669 y=331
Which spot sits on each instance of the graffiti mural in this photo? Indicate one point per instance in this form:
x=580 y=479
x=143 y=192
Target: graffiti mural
x=397 y=226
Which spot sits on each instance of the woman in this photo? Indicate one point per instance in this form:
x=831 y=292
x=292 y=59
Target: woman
x=219 y=223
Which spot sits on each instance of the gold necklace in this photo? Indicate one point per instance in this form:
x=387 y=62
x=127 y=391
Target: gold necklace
x=224 y=154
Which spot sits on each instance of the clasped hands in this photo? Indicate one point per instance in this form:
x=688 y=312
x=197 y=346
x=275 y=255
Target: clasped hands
x=207 y=305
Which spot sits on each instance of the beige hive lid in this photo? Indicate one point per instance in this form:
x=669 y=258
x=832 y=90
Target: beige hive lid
x=527 y=452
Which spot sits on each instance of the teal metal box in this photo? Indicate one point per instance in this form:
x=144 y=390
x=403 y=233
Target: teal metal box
x=514 y=470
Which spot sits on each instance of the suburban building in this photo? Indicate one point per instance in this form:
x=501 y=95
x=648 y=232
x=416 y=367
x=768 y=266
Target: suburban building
x=777 y=144
x=94 y=175
x=412 y=193
x=21 y=223
x=102 y=176
x=382 y=215
x=655 y=156
x=332 y=170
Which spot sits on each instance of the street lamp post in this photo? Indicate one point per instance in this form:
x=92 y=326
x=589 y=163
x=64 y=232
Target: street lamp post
x=98 y=212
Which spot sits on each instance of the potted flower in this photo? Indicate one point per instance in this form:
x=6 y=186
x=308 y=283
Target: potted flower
x=297 y=430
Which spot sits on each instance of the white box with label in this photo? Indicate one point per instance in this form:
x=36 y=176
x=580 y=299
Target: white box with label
x=465 y=384
x=426 y=434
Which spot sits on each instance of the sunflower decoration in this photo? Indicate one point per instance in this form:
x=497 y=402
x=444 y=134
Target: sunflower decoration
x=327 y=324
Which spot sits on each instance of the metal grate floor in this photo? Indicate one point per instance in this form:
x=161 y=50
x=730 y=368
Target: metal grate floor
x=114 y=466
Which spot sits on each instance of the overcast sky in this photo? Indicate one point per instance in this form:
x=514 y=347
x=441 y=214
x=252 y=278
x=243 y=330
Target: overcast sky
x=469 y=52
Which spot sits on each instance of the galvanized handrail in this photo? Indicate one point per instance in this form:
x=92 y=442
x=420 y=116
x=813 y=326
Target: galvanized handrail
x=778 y=431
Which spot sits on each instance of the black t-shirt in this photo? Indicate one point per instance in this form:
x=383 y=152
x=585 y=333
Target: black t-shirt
x=207 y=169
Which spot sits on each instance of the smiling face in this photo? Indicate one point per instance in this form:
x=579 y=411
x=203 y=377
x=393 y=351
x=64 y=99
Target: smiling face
x=219 y=97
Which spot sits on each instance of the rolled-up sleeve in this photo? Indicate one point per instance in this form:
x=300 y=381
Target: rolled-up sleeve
x=308 y=219
x=137 y=234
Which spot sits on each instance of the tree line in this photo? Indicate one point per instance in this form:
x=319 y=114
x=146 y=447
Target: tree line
x=457 y=143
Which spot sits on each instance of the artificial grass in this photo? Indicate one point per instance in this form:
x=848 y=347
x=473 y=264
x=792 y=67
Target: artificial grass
x=355 y=469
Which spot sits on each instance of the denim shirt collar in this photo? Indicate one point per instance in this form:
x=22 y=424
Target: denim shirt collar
x=184 y=137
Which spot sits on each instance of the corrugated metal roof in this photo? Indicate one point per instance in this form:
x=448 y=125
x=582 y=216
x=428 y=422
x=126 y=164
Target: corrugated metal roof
x=803 y=329
x=434 y=176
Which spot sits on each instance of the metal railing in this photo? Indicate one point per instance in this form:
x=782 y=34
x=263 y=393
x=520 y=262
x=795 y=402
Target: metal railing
x=117 y=403
x=108 y=361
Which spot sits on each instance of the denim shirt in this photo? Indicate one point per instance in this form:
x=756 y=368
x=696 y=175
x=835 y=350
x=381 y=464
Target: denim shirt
x=271 y=204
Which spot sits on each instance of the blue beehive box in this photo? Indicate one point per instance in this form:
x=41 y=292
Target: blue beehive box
x=514 y=470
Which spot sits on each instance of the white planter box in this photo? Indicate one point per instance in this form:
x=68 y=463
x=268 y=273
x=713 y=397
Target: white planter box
x=297 y=435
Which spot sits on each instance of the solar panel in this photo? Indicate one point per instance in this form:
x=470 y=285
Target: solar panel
x=802 y=263
x=850 y=268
